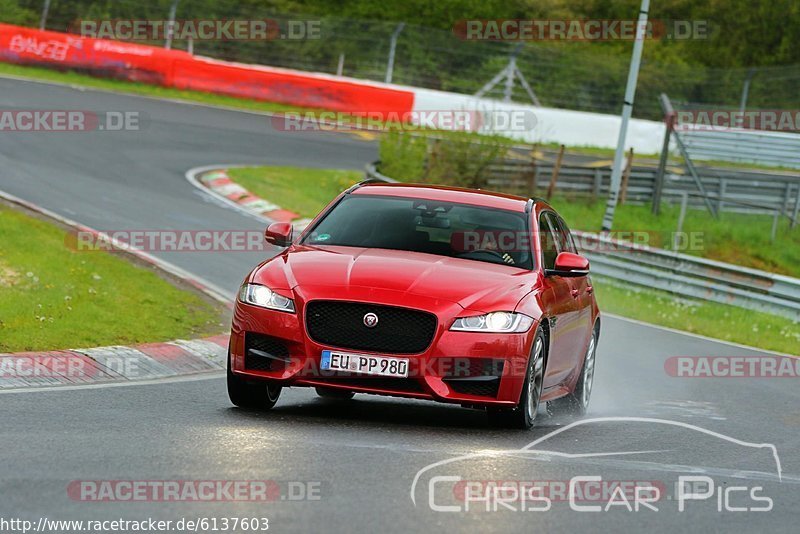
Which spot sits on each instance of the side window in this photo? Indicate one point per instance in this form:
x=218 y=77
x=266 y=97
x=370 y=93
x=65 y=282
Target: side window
x=548 y=240
x=565 y=236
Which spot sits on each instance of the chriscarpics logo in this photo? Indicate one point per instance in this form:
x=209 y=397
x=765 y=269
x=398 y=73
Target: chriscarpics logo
x=562 y=470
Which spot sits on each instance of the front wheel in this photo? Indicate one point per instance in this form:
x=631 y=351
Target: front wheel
x=577 y=402
x=251 y=395
x=524 y=415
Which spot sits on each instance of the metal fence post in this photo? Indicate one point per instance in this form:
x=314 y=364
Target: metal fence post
x=787 y=198
x=171 y=24
x=774 y=233
x=556 y=169
x=392 y=49
x=681 y=218
x=626 y=176
x=598 y=183
x=796 y=211
x=45 y=11
x=533 y=173
x=658 y=183
x=723 y=186
x=746 y=89
x=340 y=66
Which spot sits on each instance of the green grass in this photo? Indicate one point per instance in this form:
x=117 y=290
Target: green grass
x=730 y=323
x=307 y=191
x=741 y=239
x=303 y=191
x=52 y=297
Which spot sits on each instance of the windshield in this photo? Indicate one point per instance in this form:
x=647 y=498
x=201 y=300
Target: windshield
x=441 y=228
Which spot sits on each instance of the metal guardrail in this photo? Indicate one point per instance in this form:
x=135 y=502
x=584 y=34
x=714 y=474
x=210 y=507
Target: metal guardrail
x=373 y=174
x=682 y=274
x=728 y=189
x=691 y=276
x=765 y=148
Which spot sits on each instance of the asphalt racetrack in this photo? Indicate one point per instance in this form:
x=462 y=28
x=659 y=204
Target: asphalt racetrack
x=350 y=466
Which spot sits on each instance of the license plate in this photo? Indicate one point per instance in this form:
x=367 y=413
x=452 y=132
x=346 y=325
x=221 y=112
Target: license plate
x=364 y=364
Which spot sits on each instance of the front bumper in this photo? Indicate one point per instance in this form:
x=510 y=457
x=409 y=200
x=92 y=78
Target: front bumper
x=458 y=367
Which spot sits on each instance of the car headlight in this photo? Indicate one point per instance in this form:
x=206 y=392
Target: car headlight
x=265 y=297
x=498 y=322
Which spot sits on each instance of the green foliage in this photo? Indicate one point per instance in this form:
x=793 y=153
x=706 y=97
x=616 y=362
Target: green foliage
x=457 y=159
x=403 y=156
x=12 y=12
x=463 y=162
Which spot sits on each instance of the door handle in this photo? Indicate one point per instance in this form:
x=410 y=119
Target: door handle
x=575 y=293
x=589 y=289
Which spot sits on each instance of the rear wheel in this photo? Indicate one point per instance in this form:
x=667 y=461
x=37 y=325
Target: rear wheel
x=524 y=415
x=577 y=402
x=251 y=395
x=333 y=393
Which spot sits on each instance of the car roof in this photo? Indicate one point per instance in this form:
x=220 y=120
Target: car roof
x=474 y=197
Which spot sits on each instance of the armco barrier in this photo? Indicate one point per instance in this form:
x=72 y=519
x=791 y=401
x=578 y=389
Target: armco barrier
x=175 y=68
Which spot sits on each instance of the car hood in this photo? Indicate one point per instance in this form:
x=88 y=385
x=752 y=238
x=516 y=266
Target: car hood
x=474 y=285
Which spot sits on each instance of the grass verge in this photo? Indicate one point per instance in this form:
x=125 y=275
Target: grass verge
x=303 y=191
x=53 y=298
x=307 y=191
x=729 y=323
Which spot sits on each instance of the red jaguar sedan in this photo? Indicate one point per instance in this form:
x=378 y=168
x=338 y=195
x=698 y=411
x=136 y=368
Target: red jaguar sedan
x=428 y=292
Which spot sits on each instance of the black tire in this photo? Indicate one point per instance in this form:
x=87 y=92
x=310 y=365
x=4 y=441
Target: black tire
x=524 y=415
x=576 y=403
x=251 y=395
x=333 y=393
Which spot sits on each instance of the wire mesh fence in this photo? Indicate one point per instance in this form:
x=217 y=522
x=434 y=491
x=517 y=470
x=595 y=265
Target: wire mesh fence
x=564 y=75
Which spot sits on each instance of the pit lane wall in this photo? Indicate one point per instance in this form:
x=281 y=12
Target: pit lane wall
x=181 y=70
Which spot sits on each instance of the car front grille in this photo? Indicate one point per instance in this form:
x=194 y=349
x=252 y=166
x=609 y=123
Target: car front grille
x=270 y=345
x=398 y=331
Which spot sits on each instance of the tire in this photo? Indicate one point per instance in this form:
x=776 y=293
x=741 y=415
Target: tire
x=524 y=415
x=576 y=403
x=336 y=394
x=249 y=395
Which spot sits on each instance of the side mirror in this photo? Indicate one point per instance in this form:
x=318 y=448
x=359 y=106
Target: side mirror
x=569 y=264
x=279 y=234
